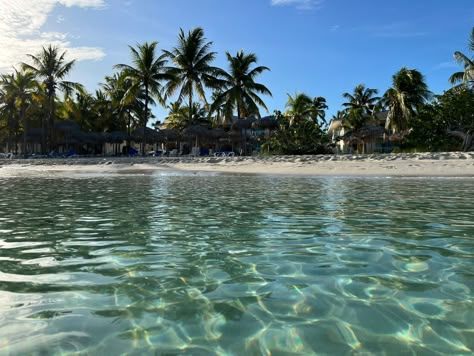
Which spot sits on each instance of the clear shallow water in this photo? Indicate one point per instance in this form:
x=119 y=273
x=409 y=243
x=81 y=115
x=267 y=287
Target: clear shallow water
x=236 y=265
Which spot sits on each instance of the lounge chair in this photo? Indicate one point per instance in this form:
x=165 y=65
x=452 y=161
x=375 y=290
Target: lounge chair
x=7 y=155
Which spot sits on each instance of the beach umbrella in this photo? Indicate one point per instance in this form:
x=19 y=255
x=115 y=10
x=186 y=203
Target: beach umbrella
x=151 y=136
x=115 y=136
x=196 y=131
x=169 y=134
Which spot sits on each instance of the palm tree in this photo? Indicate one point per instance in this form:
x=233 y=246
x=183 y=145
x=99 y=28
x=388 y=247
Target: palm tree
x=408 y=93
x=177 y=116
x=240 y=91
x=299 y=108
x=466 y=77
x=192 y=71
x=124 y=107
x=147 y=74
x=8 y=109
x=360 y=105
x=51 y=66
x=20 y=86
x=319 y=108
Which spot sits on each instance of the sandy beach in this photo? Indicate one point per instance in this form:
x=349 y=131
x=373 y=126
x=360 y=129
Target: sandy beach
x=453 y=164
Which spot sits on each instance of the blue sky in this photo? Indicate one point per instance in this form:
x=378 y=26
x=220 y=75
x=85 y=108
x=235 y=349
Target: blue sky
x=322 y=48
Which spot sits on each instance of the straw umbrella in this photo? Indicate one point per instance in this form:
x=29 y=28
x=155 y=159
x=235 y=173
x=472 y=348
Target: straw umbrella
x=242 y=126
x=68 y=128
x=196 y=131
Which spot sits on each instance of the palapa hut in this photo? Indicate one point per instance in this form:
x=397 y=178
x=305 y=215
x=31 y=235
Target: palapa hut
x=244 y=127
x=147 y=138
x=367 y=139
x=196 y=133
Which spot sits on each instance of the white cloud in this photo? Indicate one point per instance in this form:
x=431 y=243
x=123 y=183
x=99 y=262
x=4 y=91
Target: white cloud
x=299 y=4
x=21 y=23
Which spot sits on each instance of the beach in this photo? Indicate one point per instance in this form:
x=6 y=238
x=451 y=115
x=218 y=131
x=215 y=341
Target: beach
x=452 y=164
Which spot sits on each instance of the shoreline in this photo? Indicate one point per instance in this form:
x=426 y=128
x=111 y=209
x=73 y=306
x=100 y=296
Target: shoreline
x=451 y=164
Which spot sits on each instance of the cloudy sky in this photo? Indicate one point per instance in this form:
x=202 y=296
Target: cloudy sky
x=321 y=47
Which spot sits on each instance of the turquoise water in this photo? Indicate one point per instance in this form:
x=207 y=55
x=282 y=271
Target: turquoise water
x=236 y=265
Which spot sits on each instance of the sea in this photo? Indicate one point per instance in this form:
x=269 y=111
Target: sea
x=175 y=263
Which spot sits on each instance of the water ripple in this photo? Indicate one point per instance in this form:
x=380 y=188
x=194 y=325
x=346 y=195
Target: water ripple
x=212 y=264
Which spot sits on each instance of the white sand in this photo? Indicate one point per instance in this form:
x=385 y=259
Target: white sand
x=454 y=164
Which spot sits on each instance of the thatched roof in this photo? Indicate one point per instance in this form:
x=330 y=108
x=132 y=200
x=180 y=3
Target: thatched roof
x=115 y=136
x=67 y=125
x=151 y=136
x=364 y=133
x=196 y=130
x=34 y=135
x=169 y=134
x=219 y=133
x=267 y=122
x=243 y=123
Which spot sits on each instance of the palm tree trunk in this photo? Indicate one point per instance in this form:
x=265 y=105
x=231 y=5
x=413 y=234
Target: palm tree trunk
x=49 y=125
x=17 y=132
x=145 y=119
x=190 y=108
x=23 y=120
x=242 y=135
x=43 y=136
x=129 y=128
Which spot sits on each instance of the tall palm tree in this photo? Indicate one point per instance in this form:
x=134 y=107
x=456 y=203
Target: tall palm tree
x=465 y=77
x=408 y=93
x=192 y=71
x=146 y=73
x=20 y=86
x=361 y=103
x=177 y=116
x=124 y=106
x=240 y=91
x=51 y=67
x=319 y=108
x=299 y=108
x=8 y=109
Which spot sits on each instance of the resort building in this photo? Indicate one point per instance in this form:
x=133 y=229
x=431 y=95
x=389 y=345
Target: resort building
x=369 y=138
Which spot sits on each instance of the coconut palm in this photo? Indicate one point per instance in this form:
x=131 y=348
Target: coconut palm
x=408 y=93
x=19 y=88
x=299 y=108
x=51 y=67
x=177 y=116
x=240 y=91
x=319 y=108
x=124 y=106
x=192 y=71
x=465 y=77
x=146 y=73
x=361 y=104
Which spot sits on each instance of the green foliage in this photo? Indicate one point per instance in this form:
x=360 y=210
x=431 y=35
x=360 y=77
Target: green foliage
x=192 y=71
x=301 y=107
x=239 y=91
x=451 y=112
x=303 y=137
x=466 y=76
x=409 y=92
x=360 y=106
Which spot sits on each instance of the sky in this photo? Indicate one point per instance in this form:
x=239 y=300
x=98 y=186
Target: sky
x=319 y=47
